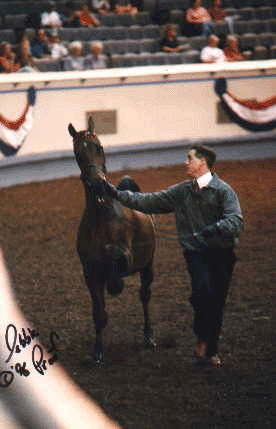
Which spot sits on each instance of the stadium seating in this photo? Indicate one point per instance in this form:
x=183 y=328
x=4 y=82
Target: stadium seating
x=137 y=37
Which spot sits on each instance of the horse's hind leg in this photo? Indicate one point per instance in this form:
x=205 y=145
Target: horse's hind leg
x=145 y=294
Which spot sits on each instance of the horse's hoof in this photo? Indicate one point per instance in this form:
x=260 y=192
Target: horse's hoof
x=99 y=364
x=150 y=343
x=99 y=361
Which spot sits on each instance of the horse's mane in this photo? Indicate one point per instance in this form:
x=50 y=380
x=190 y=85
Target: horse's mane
x=128 y=184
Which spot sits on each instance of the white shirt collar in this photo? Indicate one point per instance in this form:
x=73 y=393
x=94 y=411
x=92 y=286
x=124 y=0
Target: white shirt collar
x=204 y=180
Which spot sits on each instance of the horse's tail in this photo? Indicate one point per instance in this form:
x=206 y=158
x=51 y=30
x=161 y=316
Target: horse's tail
x=128 y=184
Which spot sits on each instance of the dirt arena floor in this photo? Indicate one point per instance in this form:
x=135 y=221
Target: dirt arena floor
x=141 y=388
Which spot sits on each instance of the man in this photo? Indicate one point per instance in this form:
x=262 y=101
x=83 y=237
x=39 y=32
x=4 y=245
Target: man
x=212 y=53
x=40 y=44
x=96 y=59
x=209 y=222
x=51 y=18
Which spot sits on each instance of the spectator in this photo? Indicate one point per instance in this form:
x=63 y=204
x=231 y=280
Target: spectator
x=232 y=51
x=169 y=42
x=75 y=60
x=125 y=6
x=96 y=59
x=27 y=65
x=58 y=49
x=86 y=17
x=24 y=56
x=212 y=53
x=8 y=62
x=216 y=12
x=51 y=18
x=102 y=7
x=198 y=20
x=218 y=15
x=40 y=44
x=70 y=15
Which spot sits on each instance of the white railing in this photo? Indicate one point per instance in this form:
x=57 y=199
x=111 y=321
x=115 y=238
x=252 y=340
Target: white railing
x=190 y=71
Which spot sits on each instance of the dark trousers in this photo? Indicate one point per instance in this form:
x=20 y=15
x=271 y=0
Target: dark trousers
x=210 y=272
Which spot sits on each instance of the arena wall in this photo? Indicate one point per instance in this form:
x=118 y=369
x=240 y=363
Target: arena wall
x=146 y=116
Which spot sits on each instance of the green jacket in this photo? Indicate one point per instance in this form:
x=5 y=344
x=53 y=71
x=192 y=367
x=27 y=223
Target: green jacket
x=216 y=203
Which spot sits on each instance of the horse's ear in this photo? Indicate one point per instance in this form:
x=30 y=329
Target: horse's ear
x=72 y=131
x=91 y=125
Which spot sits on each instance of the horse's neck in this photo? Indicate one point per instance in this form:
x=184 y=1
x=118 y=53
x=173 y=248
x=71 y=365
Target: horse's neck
x=95 y=207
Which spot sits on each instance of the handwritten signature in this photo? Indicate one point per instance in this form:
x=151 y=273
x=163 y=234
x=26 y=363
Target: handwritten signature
x=16 y=342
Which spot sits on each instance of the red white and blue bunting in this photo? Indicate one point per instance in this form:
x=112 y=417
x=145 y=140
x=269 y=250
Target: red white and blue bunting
x=251 y=115
x=14 y=133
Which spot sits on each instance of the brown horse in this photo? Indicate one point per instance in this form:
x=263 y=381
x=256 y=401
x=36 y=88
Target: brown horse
x=113 y=241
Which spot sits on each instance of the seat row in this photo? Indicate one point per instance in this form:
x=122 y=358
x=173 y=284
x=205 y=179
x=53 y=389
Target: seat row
x=151 y=31
x=244 y=13
x=97 y=33
x=29 y=6
x=155 y=58
x=151 y=45
x=143 y=18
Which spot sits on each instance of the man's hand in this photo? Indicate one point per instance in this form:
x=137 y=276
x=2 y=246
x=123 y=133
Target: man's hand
x=106 y=188
x=209 y=231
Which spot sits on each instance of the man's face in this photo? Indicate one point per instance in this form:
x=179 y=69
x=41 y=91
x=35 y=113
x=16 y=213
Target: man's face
x=193 y=164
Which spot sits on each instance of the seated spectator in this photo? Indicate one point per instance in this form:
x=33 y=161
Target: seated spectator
x=8 y=63
x=23 y=54
x=27 y=65
x=96 y=59
x=70 y=15
x=218 y=15
x=232 y=51
x=57 y=48
x=75 y=59
x=23 y=45
x=216 y=12
x=198 y=20
x=125 y=6
x=51 y=18
x=212 y=53
x=86 y=17
x=101 y=6
x=40 y=44
x=170 y=43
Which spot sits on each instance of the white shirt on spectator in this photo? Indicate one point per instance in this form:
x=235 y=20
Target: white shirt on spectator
x=58 y=50
x=215 y=55
x=93 y=62
x=73 y=63
x=50 y=19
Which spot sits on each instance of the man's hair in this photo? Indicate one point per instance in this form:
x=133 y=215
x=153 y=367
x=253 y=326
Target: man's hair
x=205 y=152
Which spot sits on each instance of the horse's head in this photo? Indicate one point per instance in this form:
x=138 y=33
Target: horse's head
x=89 y=153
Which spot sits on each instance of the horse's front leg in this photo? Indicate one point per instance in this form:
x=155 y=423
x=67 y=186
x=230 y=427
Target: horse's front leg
x=100 y=320
x=145 y=295
x=95 y=283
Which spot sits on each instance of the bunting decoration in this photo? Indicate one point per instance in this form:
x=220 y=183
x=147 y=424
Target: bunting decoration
x=14 y=133
x=251 y=115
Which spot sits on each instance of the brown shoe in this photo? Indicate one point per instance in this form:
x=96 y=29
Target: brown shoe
x=200 y=349
x=214 y=361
